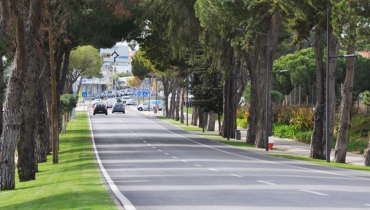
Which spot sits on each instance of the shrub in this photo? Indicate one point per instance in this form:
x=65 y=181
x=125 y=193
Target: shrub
x=302 y=117
x=242 y=122
x=242 y=112
x=286 y=131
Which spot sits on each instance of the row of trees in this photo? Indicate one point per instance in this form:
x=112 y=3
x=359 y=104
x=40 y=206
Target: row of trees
x=235 y=38
x=40 y=38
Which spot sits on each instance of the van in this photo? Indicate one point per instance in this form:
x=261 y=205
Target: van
x=153 y=103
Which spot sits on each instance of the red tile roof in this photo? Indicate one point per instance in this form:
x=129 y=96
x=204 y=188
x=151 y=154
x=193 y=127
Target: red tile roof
x=365 y=54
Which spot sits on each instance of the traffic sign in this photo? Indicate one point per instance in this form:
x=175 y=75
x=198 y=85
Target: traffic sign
x=133 y=92
x=84 y=94
x=139 y=93
x=145 y=94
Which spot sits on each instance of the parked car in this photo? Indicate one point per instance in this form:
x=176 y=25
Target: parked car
x=130 y=102
x=118 y=107
x=111 y=101
x=100 y=108
x=144 y=106
x=96 y=101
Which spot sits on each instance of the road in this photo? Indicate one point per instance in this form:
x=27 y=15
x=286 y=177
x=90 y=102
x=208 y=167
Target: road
x=153 y=165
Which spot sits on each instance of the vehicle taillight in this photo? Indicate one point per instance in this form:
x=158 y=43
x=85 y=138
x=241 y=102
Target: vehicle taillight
x=105 y=108
x=95 y=108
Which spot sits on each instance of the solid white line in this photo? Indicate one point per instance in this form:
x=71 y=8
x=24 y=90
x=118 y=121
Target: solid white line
x=265 y=161
x=313 y=192
x=213 y=169
x=235 y=175
x=184 y=161
x=127 y=205
x=264 y=182
x=197 y=165
x=149 y=144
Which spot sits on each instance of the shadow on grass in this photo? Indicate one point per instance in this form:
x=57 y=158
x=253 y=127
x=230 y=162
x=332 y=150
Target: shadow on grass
x=72 y=200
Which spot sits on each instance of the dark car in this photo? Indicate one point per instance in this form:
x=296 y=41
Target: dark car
x=118 y=107
x=100 y=109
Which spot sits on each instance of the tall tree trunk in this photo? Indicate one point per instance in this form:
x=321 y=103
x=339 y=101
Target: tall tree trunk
x=195 y=116
x=4 y=39
x=182 y=105
x=318 y=134
x=17 y=120
x=42 y=124
x=173 y=95
x=211 y=121
x=257 y=120
x=166 y=91
x=228 y=124
x=67 y=53
x=341 y=144
x=177 y=105
x=334 y=50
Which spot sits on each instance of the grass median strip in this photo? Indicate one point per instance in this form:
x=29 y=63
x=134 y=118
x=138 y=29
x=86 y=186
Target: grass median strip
x=323 y=162
x=73 y=183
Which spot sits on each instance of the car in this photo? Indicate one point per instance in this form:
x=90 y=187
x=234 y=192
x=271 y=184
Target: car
x=130 y=102
x=100 y=108
x=110 y=102
x=118 y=107
x=153 y=103
x=96 y=101
x=119 y=100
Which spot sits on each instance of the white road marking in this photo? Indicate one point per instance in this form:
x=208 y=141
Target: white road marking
x=367 y=204
x=265 y=161
x=149 y=144
x=212 y=169
x=125 y=202
x=314 y=192
x=174 y=157
x=153 y=147
x=145 y=141
x=197 y=165
x=184 y=161
x=166 y=154
x=264 y=182
x=159 y=150
x=235 y=175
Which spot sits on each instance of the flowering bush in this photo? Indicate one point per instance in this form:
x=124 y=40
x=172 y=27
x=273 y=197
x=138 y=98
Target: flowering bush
x=302 y=117
x=242 y=112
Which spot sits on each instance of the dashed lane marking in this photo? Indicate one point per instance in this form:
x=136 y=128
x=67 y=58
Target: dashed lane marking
x=314 y=192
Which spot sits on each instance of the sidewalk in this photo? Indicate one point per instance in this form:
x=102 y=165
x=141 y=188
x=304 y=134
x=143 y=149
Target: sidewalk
x=281 y=146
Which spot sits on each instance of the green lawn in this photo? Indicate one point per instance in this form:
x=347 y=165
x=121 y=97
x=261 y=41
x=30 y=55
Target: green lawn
x=323 y=162
x=238 y=144
x=73 y=183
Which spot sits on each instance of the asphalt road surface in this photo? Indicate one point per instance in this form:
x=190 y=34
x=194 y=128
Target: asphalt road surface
x=153 y=165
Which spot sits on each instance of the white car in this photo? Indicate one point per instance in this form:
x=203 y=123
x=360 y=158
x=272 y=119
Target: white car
x=130 y=102
x=96 y=101
x=111 y=101
x=144 y=106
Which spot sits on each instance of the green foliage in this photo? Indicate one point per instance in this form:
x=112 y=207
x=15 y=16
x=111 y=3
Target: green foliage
x=277 y=97
x=141 y=67
x=242 y=112
x=63 y=185
x=295 y=115
x=367 y=100
x=286 y=131
x=68 y=102
x=85 y=61
x=243 y=123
